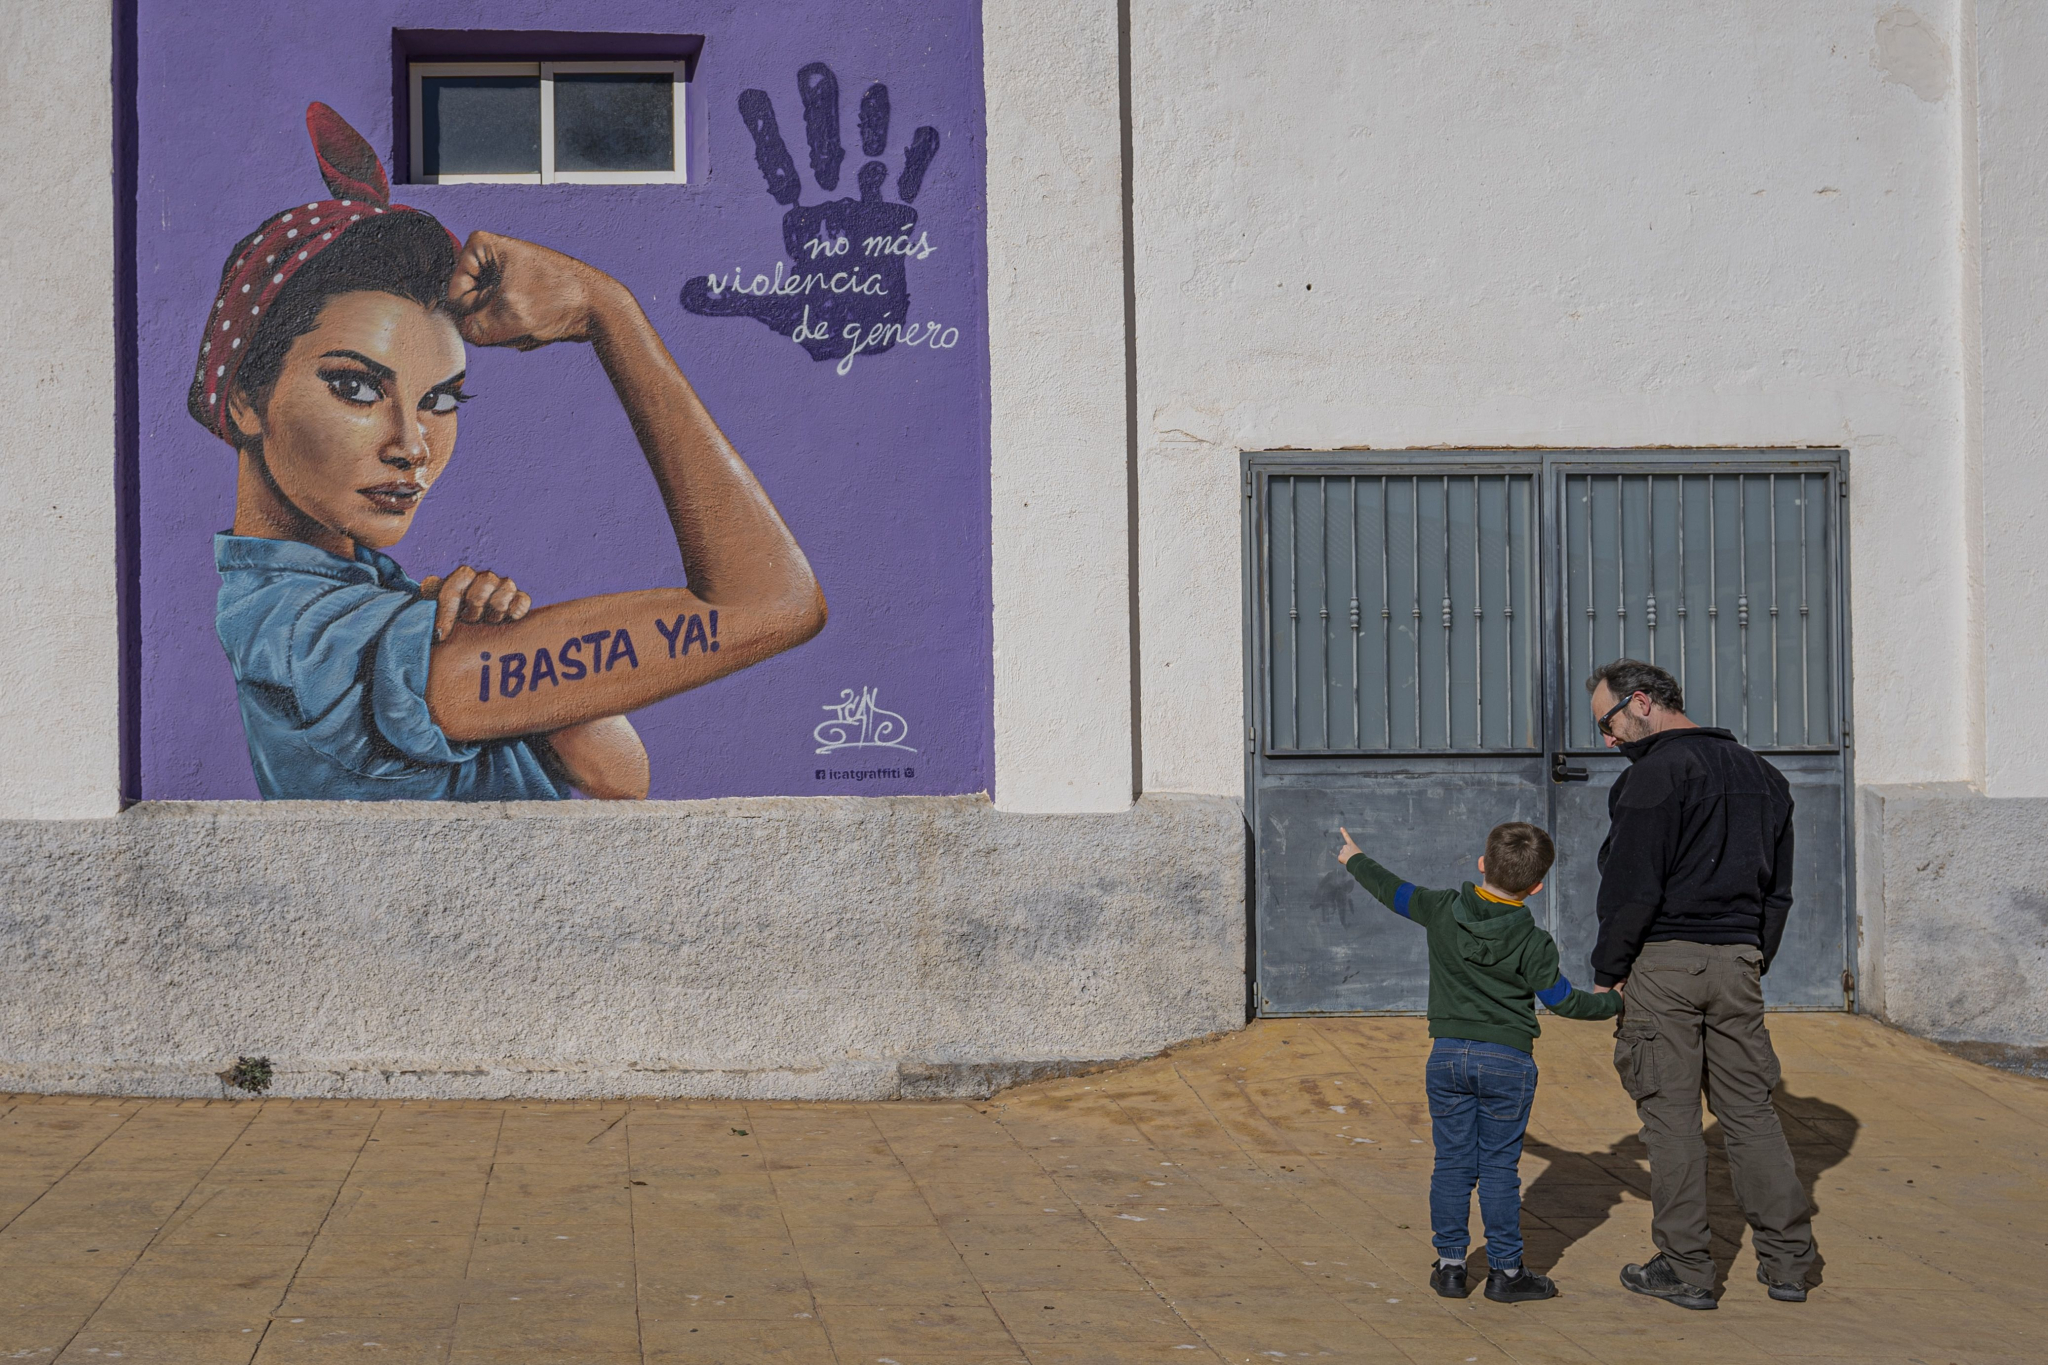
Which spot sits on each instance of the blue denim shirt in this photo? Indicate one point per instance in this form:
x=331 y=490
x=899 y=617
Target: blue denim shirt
x=330 y=662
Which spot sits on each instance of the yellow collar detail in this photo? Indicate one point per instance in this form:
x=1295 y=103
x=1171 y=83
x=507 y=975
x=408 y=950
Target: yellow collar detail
x=1486 y=895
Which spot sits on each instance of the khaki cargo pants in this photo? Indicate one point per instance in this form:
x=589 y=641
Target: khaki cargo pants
x=1693 y=1021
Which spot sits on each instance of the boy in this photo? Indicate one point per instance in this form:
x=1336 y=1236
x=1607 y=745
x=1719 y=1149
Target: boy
x=1488 y=966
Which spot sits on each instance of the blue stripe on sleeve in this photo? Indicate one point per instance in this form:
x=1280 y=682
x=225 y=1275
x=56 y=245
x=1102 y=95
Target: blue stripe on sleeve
x=1554 y=997
x=1401 y=899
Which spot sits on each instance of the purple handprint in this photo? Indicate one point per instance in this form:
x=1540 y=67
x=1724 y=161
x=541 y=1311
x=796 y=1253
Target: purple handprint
x=845 y=292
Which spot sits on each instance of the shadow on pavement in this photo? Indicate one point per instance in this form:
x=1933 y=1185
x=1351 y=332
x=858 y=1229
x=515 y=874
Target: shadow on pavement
x=1578 y=1191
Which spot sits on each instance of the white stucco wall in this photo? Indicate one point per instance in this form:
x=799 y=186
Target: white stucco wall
x=59 y=676
x=1058 y=433
x=1597 y=223
x=774 y=947
x=2012 y=152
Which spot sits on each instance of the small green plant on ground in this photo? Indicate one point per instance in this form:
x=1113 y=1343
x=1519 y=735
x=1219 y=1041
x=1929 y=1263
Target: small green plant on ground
x=252 y=1074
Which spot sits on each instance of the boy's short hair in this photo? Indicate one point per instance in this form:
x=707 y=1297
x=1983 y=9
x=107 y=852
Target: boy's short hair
x=1517 y=856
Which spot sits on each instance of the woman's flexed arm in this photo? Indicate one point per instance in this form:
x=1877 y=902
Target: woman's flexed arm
x=751 y=593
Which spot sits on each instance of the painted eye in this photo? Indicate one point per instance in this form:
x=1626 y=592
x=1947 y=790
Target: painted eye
x=441 y=401
x=360 y=389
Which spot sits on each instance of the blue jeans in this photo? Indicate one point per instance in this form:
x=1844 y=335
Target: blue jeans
x=1479 y=1098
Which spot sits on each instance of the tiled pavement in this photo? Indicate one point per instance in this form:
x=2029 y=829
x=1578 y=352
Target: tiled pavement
x=1254 y=1199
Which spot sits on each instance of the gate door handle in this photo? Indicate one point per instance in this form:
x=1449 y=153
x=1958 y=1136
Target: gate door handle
x=1561 y=771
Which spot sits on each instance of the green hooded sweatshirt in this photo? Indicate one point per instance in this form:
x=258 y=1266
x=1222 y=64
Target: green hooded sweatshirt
x=1488 y=962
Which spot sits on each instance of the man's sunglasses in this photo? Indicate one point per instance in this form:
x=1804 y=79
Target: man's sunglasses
x=1612 y=712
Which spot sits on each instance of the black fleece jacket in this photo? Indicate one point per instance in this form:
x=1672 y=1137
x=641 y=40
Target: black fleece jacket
x=1699 y=849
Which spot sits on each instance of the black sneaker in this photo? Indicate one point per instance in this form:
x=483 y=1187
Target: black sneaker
x=1783 y=1293
x=1660 y=1281
x=1449 y=1280
x=1519 y=1285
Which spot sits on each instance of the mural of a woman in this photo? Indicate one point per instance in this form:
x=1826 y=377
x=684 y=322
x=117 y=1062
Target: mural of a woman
x=333 y=363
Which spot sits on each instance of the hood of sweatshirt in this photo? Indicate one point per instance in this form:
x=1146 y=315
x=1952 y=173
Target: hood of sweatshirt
x=1490 y=932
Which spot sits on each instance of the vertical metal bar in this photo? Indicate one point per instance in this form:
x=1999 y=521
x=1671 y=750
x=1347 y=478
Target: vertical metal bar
x=1323 y=602
x=1774 y=608
x=1833 y=552
x=1713 y=605
x=1449 y=741
x=1592 y=643
x=1263 y=520
x=1415 y=603
x=1547 y=575
x=1386 y=616
x=1835 y=654
x=1742 y=590
x=1478 y=629
x=1650 y=554
x=1681 y=582
x=1805 y=562
x=1620 y=567
x=1537 y=631
x=1507 y=563
x=1536 y=511
x=1294 y=610
x=1357 y=683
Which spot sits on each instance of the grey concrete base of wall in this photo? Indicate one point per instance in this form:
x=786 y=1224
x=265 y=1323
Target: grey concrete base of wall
x=1955 y=921
x=820 y=948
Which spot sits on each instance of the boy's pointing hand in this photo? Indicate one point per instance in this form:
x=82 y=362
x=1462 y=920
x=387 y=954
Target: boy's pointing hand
x=1350 y=850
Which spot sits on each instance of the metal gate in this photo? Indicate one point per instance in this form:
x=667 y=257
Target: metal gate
x=1418 y=629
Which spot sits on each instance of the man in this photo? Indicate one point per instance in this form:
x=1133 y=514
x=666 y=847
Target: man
x=1695 y=883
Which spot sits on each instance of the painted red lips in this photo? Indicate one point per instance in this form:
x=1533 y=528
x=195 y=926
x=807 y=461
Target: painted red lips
x=396 y=498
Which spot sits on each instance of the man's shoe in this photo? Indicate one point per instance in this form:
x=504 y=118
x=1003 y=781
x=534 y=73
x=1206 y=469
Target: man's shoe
x=1518 y=1286
x=1449 y=1280
x=1660 y=1281
x=1783 y=1293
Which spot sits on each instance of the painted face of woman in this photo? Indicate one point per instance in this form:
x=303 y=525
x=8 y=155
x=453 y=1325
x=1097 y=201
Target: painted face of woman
x=362 y=419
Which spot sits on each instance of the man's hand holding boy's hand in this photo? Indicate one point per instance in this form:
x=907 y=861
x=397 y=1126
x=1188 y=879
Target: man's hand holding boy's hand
x=1350 y=850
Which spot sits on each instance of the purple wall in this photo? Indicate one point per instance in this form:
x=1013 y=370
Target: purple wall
x=881 y=473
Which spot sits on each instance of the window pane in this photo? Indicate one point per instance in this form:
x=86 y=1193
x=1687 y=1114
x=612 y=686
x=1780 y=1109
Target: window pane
x=480 y=125
x=615 y=121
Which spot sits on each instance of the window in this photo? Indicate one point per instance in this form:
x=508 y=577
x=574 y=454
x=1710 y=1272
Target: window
x=547 y=123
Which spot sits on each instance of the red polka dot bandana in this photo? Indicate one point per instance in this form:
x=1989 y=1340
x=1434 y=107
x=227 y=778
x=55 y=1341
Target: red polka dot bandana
x=261 y=264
